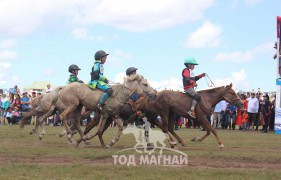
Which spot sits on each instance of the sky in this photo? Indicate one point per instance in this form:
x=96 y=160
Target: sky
x=231 y=40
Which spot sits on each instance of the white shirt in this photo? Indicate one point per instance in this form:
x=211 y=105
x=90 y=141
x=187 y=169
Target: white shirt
x=223 y=105
x=253 y=105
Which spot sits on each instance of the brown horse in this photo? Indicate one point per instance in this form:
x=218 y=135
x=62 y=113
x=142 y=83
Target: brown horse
x=168 y=102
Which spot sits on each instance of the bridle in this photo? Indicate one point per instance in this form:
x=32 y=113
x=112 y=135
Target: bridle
x=229 y=99
x=150 y=96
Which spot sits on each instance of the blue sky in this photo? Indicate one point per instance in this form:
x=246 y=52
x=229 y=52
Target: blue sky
x=232 y=40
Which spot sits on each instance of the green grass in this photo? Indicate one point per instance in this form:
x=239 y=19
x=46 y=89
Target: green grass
x=23 y=156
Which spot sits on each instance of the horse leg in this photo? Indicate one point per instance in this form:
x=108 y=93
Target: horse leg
x=171 y=126
x=208 y=132
x=35 y=129
x=42 y=120
x=165 y=130
x=102 y=121
x=119 y=123
x=209 y=129
x=94 y=122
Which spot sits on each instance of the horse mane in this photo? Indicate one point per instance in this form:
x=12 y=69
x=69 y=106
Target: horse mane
x=210 y=90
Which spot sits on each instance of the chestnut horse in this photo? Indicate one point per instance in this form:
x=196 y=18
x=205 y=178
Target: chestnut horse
x=168 y=102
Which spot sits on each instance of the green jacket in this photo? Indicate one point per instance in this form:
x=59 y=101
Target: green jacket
x=97 y=75
x=73 y=78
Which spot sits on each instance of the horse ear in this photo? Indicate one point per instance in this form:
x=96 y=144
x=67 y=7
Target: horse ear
x=230 y=85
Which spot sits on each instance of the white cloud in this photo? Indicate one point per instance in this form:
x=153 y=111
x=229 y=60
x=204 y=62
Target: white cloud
x=49 y=71
x=7 y=55
x=251 y=2
x=81 y=33
x=24 y=17
x=117 y=57
x=168 y=84
x=208 y=35
x=8 y=43
x=247 y=56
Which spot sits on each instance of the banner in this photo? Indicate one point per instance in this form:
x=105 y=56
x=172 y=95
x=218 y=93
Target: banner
x=277 y=125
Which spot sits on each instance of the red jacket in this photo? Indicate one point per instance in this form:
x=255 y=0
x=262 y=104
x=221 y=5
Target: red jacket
x=189 y=82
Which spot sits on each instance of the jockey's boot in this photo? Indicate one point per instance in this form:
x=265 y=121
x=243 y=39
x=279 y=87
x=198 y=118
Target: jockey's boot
x=191 y=111
x=102 y=100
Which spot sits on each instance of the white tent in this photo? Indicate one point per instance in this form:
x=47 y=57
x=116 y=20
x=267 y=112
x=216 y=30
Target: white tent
x=38 y=86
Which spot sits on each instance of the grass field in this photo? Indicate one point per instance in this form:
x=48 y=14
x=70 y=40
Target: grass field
x=247 y=155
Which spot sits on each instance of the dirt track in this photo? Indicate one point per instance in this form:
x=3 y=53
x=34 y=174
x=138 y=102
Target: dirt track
x=193 y=162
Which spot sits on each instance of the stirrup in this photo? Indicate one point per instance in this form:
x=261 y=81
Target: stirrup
x=99 y=106
x=191 y=113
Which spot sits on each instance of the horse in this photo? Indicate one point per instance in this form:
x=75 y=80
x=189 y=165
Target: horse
x=44 y=106
x=74 y=96
x=176 y=102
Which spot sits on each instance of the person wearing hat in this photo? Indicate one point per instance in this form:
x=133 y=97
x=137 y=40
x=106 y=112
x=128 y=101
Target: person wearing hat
x=74 y=69
x=98 y=79
x=189 y=83
x=265 y=111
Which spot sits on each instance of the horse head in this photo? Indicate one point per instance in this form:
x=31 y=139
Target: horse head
x=141 y=86
x=231 y=97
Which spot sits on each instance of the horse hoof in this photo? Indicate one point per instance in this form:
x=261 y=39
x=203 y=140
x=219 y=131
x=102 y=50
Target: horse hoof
x=40 y=138
x=87 y=143
x=195 y=139
x=107 y=147
x=184 y=145
x=221 y=146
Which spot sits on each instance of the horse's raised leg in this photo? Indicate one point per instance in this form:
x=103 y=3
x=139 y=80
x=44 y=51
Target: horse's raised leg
x=119 y=123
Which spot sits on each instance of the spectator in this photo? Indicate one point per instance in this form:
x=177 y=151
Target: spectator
x=245 y=120
x=49 y=89
x=230 y=116
x=25 y=102
x=272 y=114
x=11 y=97
x=252 y=109
x=9 y=115
x=241 y=111
x=223 y=114
x=217 y=115
x=15 y=90
x=17 y=102
x=265 y=111
x=15 y=115
x=4 y=107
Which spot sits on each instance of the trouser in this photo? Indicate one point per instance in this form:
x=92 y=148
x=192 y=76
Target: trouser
x=191 y=92
x=230 y=117
x=216 y=119
x=265 y=119
x=105 y=95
